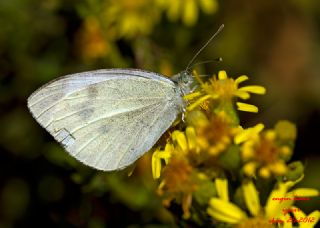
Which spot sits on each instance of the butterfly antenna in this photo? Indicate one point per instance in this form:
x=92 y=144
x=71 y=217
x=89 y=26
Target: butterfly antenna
x=204 y=46
x=206 y=61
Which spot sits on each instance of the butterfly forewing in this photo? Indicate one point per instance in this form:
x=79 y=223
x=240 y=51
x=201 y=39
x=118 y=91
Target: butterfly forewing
x=107 y=118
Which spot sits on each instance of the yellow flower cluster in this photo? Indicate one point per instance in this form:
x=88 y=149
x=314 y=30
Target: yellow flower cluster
x=93 y=43
x=179 y=179
x=273 y=213
x=210 y=131
x=128 y=18
x=109 y=20
x=187 y=10
x=267 y=151
x=225 y=90
x=200 y=145
x=210 y=147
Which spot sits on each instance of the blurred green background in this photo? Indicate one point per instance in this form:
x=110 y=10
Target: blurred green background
x=275 y=43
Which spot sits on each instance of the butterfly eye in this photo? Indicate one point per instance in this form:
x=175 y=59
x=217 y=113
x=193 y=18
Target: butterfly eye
x=185 y=78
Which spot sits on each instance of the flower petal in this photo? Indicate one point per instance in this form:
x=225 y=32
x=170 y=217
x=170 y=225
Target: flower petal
x=156 y=159
x=198 y=102
x=253 y=89
x=248 y=133
x=242 y=78
x=190 y=12
x=181 y=140
x=286 y=224
x=242 y=94
x=209 y=6
x=222 y=75
x=316 y=216
x=273 y=206
x=174 y=10
x=166 y=154
x=251 y=198
x=192 y=95
x=156 y=165
x=247 y=107
x=222 y=188
x=222 y=217
x=305 y=192
x=250 y=169
x=297 y=212
x=192 y=139
x=225 y=211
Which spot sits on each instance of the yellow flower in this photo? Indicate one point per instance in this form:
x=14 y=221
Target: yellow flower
x=179 y=177
x=185 y=142
x=179 y=181
x=312 y=218
x=177 y=174
x=221 y=186
x=187 y=9
x=215 y=136
x=180 y=143
x=223 y=210
x=200 y=144
x=212 y=144
x=286 y=130
x=92 y=43
x=249 y=133
x=157 y=158
x=264 y=151
x=225 y=90
x=126 y=18
x=281 y=199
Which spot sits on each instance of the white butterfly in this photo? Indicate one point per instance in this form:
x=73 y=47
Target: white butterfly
x=107 y=119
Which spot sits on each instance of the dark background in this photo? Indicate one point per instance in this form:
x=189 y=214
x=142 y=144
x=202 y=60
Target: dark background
x=275 y=43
